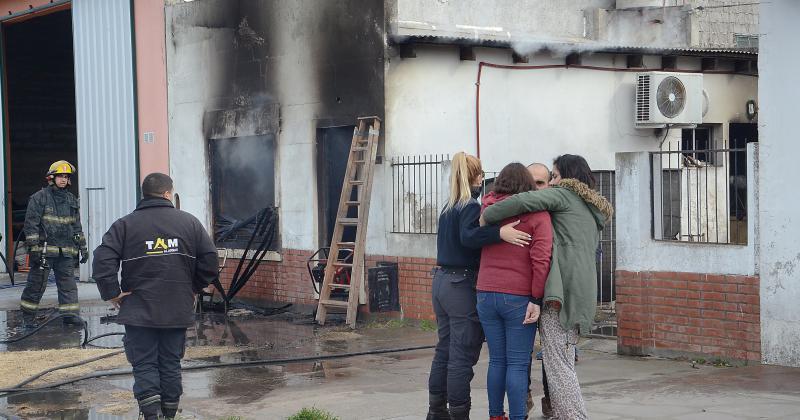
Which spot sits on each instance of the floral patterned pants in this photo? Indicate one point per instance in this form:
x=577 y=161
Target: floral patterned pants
x=559 y=362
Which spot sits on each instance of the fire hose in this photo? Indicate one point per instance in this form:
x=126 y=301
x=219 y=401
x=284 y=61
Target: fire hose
x=260 y=362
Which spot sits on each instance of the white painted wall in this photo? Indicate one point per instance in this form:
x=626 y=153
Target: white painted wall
x=637 y=251
x=779 y=219
x=193 y=81
x=525 y=115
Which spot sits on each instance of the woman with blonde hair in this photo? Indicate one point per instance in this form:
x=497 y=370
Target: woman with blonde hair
x=459 y=242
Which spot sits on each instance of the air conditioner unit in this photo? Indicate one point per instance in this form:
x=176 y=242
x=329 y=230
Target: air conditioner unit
x=647 y=4
x=664 y=99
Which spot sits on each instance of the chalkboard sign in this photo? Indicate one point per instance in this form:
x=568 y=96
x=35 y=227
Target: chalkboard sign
x=384 y=290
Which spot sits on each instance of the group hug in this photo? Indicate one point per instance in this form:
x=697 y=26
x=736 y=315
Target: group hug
x=521 y=258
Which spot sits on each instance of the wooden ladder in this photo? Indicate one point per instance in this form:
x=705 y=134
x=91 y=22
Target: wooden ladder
x=356 y=189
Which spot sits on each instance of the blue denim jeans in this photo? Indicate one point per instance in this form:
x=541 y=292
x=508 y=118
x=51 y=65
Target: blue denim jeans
x=510 y=345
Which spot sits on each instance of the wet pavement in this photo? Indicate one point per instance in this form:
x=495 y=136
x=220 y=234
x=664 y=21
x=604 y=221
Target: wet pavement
x=379 y=386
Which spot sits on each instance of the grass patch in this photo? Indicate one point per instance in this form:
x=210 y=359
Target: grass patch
x=721 y=363
x=427 y=325
x=313 y=414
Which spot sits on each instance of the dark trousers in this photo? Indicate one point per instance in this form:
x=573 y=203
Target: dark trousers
x=64 y=269
x=155 y=354
x=460 y=335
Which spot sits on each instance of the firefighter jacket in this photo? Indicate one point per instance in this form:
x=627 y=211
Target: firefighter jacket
x=166 y=258
x=53 y=217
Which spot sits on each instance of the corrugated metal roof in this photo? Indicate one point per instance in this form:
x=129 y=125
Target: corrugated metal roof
x=597 y=47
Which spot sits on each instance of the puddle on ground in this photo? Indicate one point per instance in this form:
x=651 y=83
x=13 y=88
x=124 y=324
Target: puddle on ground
x=255 y=337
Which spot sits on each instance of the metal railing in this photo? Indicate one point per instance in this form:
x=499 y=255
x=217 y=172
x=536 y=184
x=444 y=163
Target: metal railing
x=419 y=190
x=699 y=196
x=605 y=322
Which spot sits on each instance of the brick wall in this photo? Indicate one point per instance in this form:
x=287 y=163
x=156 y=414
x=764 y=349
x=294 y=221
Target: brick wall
x=288 y=281
x=692 y=314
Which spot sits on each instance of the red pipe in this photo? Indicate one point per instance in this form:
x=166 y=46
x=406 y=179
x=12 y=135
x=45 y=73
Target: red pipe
x=562 y=66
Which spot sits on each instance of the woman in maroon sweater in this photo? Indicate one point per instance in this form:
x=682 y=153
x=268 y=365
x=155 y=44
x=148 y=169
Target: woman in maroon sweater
x=510 y=288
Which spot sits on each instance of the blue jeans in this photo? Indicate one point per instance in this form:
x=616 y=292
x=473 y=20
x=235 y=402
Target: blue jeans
x=510 y=345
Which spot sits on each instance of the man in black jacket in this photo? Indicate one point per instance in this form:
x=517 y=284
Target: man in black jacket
x=166 y=257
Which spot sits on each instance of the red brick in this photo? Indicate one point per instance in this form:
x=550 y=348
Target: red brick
x=748 y=280
x=688 y=276
x=737 y=316
x=754 y=355
x=721 y=306
x=629 y=299
x=750 y=299
x=689 y=312
x=713 y=314
x=719 y=287
x=688 y=294
x=668 y=336
x=715 y=278
x=671 y=345
x=666 y=284
x=713 y=296
x=752 y=310
x=748 y=289
x=668 y=319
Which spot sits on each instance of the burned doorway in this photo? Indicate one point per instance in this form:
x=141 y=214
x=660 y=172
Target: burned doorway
x=242 y=184
x=39 y=71
x=333 y=150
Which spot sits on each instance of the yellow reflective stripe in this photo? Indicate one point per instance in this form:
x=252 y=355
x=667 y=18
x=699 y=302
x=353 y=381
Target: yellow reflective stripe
x=52 y=251
x=29 y=305
x=69 y=307
x=62 y=220
x=32 y=237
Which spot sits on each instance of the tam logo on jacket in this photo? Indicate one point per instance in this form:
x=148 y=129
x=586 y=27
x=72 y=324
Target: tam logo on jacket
x=161 y=246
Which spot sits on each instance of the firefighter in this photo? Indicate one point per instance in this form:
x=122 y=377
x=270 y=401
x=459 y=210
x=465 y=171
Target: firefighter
x=166 y=258
x=55 y=240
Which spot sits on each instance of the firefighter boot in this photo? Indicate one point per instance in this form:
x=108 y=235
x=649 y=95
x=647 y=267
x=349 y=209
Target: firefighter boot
x=437 y=407
x=72 y=321
x=460 y=412
x=169 y=409
x=28 y=320
x=150 y=408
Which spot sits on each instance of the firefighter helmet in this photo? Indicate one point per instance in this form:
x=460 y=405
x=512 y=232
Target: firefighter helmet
x=61 y=167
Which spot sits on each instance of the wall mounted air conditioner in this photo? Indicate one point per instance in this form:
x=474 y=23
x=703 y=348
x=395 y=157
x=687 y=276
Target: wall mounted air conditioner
x=647 y=4
x=663 y=98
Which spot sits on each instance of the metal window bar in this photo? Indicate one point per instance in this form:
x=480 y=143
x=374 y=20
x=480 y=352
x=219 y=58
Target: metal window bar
x=416 y=193
x=605 y=318
x=700 y=201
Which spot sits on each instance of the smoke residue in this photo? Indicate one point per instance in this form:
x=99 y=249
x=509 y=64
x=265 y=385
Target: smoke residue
x=243 y=175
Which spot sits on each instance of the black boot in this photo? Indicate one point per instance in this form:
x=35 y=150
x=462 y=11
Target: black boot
x=460 y=412
x=28 y=321
x=150 y=408
x=169 y=409
x=72 y=321
x=437 y=407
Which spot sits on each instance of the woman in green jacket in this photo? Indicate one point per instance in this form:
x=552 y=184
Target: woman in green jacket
x=578 y=214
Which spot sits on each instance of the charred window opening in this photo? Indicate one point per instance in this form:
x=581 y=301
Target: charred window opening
x=242 y=184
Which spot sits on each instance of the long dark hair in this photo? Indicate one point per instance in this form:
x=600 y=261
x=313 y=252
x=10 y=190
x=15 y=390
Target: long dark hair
x=575 y=166
x=513 y=179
